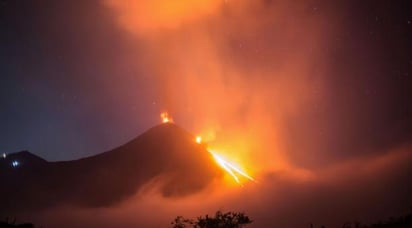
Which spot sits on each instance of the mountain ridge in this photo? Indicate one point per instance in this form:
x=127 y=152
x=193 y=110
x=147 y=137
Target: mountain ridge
x=165 y=150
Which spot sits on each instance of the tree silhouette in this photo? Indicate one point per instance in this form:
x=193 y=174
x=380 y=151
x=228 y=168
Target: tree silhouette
x=12 y=224
x=221 y=220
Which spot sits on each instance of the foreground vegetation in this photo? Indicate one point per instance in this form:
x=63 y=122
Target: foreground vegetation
x=238 y=220
x=220 y=220
x=12 y=224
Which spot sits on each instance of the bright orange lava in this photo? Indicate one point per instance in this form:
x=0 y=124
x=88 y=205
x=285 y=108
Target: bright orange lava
x=231 y=169
x=198 y=139
x=166 y=118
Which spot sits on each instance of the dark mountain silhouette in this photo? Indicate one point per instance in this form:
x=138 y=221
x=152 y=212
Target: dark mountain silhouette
x=166 y=152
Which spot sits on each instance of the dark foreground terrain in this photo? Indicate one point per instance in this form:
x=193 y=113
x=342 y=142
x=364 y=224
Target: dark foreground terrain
x=399 y=222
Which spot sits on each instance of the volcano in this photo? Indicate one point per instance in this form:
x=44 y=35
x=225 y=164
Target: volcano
x=166 y=153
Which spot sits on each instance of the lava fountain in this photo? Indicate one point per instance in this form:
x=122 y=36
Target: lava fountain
x=166 y=118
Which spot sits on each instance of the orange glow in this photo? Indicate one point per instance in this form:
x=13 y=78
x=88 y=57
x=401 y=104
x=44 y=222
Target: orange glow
x=143 y=16
x=231 y=169
x=224 y=86
x=166 y=118
x=198 y=139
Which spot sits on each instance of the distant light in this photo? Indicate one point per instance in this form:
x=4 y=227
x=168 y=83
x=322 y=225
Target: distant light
x=15 y=163
x=4 y=155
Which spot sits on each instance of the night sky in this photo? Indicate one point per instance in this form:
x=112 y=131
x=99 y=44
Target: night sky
x=313 y=97
x=69 y=87
x=75 y=82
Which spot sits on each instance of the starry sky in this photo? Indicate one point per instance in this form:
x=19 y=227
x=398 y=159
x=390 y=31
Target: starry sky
x=68 y=88
x=315 y=81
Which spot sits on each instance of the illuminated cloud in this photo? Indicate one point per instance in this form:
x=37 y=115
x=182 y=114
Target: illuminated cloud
x=234 y=71
x=144 y=16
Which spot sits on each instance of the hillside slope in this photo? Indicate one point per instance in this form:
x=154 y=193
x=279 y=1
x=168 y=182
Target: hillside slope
x=166 y=152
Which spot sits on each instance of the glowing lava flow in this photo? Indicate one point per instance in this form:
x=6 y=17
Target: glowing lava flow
x=231 y=169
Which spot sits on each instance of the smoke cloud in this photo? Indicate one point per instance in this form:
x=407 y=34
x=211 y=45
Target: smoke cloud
x=356 y=190
x=238 y=71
